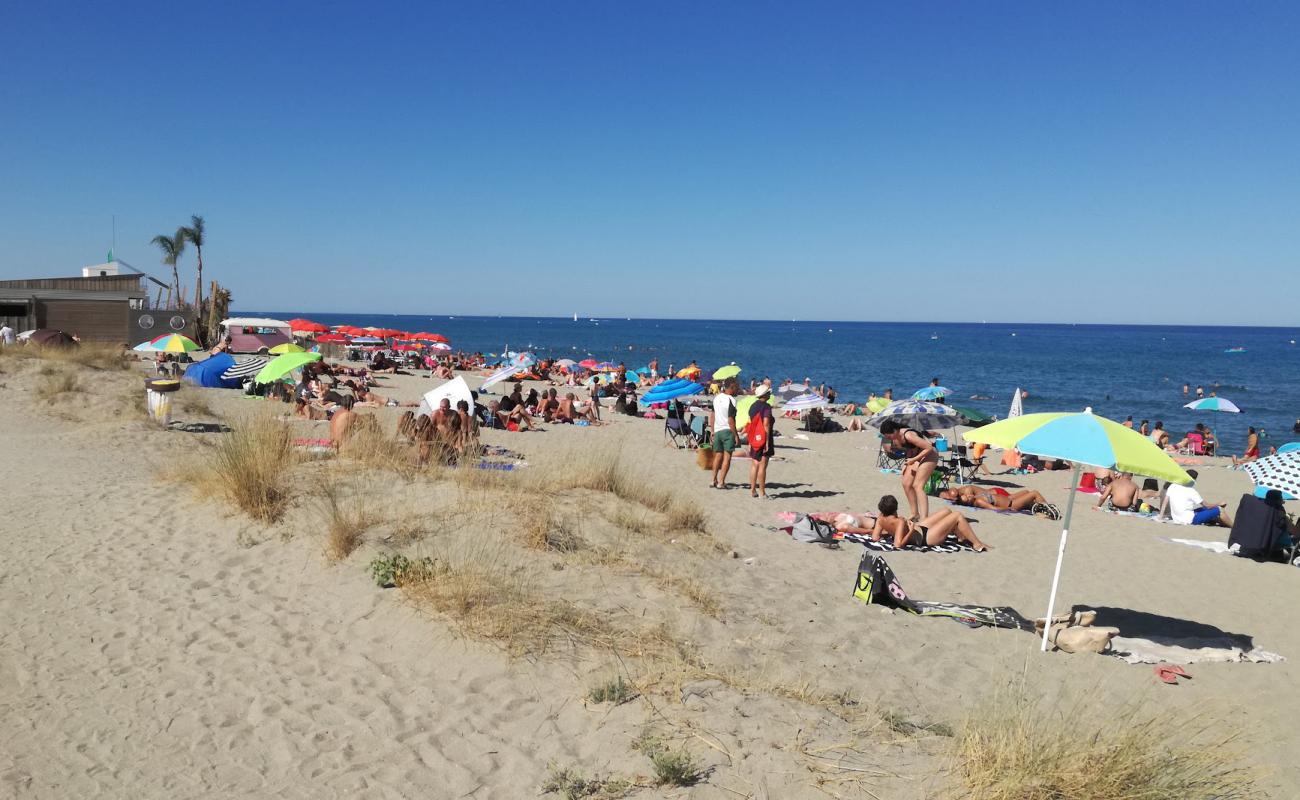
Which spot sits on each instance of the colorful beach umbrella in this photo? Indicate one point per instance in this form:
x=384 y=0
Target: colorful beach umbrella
x=729 y=371
x=916 y=414
x=505 y=373
x=282 y=365
x=174 y=343
x=1083 y=438
x=689 y=372
x=246 y=367
x=931 y=393
x=670 y=390
x=1214 y=404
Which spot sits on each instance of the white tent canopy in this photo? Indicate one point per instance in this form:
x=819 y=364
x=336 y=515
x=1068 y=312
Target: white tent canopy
x=454 y=390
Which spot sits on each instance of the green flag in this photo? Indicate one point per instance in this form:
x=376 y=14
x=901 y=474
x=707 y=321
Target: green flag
x=110 y=255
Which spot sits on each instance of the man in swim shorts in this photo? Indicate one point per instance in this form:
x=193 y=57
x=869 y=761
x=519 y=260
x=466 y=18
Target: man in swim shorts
x=724 y=432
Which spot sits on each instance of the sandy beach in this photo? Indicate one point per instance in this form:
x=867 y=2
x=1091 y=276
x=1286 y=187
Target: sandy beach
x=160 y=643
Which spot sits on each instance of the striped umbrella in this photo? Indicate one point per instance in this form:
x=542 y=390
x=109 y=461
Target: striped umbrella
x=174 y=343
x=917 y=413
x=1280 y=471
x=245 y=368
x=805 y=402
x=931 y=393
x=1214 y=404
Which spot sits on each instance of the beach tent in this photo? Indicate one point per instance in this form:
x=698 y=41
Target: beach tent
x=209 y=373
x=454 y=390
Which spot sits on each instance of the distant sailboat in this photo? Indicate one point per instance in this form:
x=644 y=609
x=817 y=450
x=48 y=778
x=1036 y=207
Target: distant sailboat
x=575 y=316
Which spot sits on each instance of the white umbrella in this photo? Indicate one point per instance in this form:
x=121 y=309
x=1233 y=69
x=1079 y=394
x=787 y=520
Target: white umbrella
x=805 y=402
x=454 y=390
x=439 y=346
x=506 y=372
x=1214 y=404
x=1016 y=408
x=1280 y=471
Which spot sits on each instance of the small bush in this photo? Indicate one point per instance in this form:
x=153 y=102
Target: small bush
x=395 y=569
x=672 y=767
x=571 y=784
x=250 y=467
x=346 y=517
x=55 y=384
x=615 y=690
x=904 y=725
x=543 y=530
x=687 y=517
x=1021 y=750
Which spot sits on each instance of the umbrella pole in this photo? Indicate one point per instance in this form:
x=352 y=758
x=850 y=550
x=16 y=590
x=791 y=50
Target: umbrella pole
x=1060 y=555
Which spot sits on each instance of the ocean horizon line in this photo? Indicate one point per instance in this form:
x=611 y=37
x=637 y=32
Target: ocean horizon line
x=911 y=323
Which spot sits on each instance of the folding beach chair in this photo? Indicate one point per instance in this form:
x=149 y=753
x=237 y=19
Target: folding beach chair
x=677 y=430
x=964 y=467
x=887 y=458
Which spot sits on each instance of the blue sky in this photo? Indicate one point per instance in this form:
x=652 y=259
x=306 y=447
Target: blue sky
x=1102 y=162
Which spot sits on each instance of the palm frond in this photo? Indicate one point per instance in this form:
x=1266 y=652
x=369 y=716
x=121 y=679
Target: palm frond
x=194 y=233
x=168 y=247
x=179 y=241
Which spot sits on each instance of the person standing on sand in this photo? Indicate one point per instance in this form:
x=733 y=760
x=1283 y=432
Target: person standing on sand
x=759 y=456
x=922 y=459
x=7 y=335
x=654 y=368
x=723 y=422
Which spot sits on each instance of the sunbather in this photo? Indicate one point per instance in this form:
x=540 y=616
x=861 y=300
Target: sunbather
x=929 y=531
x=342 y=421
x=1122 y=493
x=979 y=497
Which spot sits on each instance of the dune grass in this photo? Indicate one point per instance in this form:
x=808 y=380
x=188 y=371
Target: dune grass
x=571 y=784
x=673 y=766
x=345 y=516
x=1018 y=749
x=92 y=355
x=248 y=468
x=56 y=383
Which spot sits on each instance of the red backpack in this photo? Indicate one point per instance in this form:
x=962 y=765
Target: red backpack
x=756 y=433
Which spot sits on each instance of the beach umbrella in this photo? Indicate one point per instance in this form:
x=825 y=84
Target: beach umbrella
x=438 y=345
x=407 y=347
x=1016 y=408
x=280 y=349
x=689 y=372
x=566 y=363
x=877 y=404
x=605 y=366
x=931 y=393
x=331 y=338
x=670 y=390
x=430 y=337
x=743 y=404
x=505 y=373
x=916 y=414
x=1083 y=438
x=282 y=365
x=174 y=343
x=244 y=368
x=523 y=359
x=972 y=417
x=1214 y=404
x=1279 y=471
x=804 y=402
x=588 y=363
x=367 y=340
x=454 y=390
x=307 y=326
x=729 y=371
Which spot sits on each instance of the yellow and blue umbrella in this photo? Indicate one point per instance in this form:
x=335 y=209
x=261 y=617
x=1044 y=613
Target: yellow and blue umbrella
x=280 y=366
x=1214 y=404
x=1080 y=439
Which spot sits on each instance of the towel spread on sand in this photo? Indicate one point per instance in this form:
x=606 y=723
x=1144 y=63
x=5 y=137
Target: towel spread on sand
x=1213 y=547
x=1196 y=650
x=876 y=584
x=949 y=545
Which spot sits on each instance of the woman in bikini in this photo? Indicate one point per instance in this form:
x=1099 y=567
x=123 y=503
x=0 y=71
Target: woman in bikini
x=930 y=531
x=979 y=497
x=922 y=458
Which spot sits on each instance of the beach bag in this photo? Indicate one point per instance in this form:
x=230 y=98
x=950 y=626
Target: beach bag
x=704 y=457
x=756 y=433
x=811 y=530
x=934 y=483
x=876 y=584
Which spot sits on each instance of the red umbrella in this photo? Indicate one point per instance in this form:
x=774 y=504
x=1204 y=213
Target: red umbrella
x=408 y=347
x=307 y=326
x=331 y=338
x=432 y=337
x=589 y=363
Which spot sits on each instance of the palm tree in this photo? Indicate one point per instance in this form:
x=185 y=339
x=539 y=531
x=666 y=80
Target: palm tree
x=194 y=235
x=172 y=247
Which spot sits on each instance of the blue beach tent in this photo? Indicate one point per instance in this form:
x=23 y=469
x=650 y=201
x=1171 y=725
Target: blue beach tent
x=207 y=373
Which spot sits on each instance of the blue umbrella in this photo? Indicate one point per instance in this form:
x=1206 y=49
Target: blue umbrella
x=931 y=393
x=1214 y=404
x=671 y=390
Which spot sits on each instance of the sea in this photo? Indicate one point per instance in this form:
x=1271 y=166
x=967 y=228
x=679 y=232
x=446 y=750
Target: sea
x=1117 y=370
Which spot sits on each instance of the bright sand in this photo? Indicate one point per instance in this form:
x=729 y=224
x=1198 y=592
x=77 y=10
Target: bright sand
x=157 y=643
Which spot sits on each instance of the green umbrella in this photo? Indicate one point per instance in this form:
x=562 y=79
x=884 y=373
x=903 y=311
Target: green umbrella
x=729 y=371
x=280 y=366
x=973 y=417
x=742 y=410
x=1080 y=439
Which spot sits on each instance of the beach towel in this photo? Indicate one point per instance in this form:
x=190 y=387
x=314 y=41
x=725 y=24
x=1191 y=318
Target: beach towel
x=876 y=584
x=1213 y=547
x=791 y=518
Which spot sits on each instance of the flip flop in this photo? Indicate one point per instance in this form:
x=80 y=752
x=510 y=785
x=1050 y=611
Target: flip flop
x=1170 y=673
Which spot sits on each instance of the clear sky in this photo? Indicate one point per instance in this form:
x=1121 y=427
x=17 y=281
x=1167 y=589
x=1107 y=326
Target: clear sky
x=1087 y=162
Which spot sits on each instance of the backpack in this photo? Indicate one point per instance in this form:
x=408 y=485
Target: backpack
x=756 y=433
x=813 y=531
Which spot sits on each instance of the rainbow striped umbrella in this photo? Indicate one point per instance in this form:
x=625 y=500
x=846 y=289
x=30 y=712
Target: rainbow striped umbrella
x=174 y=343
